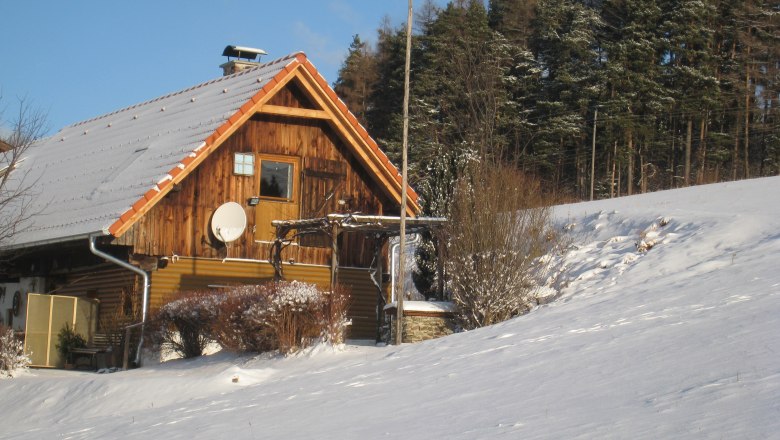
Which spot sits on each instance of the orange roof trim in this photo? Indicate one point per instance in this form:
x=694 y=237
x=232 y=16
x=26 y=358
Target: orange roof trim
x=188 y=163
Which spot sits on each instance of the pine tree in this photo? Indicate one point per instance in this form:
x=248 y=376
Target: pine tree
x=689 y=68
x=565 y=46
x=636 y=95
x=357 y=78
x=384 y=114
x=513 y=19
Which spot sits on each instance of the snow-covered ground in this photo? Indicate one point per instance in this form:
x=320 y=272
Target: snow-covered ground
x=679 y=341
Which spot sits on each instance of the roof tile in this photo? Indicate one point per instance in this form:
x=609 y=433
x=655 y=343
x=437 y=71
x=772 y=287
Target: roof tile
x=139 y=205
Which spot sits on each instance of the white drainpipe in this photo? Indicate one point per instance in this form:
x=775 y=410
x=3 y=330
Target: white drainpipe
x=139 y=271
x=394 y=263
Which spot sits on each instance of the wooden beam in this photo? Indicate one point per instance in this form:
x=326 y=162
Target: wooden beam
x=294 y=112
x=349 y=134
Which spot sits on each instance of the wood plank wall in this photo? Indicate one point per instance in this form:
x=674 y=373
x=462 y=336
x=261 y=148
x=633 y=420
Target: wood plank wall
x=104 y=283
x=179 y=224
x=196 y=274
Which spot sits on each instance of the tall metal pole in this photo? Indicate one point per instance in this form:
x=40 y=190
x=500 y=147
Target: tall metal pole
x=593 y=154
x=399 y=291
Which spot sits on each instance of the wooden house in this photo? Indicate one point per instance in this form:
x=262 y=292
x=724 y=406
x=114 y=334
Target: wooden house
x=142 y=184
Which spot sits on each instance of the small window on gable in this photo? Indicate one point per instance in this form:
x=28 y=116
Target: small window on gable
x=244 y=164
x=276 y=179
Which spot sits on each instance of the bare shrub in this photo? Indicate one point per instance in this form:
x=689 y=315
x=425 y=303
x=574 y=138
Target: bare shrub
x=12 y=357
x=333 y=315
x=184 y=324
x=287 y=316
x=232 y=328
x=291 y=315
x=113 y=324
x=499 y=226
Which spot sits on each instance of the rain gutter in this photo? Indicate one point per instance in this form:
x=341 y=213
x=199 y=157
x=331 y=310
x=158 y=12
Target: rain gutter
x=137 y=270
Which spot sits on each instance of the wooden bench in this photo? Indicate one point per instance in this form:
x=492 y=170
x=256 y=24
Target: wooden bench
x=99 y=346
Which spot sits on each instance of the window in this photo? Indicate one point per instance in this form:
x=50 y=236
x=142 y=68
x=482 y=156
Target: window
x=244 y=164
x=276 y=179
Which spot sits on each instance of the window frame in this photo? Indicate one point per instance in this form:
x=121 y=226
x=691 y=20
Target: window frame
x=244 y=164
x=294 y=162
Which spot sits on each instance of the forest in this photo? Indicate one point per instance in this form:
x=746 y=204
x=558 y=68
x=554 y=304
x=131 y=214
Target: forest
x=594 y=98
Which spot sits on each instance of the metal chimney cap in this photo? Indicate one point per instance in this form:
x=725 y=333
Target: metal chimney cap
x=247 y=53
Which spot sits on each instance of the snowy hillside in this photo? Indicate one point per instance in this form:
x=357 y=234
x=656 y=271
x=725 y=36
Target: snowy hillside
x=679 y=341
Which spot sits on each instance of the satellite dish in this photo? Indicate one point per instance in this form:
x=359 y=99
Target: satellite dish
x=228 y=222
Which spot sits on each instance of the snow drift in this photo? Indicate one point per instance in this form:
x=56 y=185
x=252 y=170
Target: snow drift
x=666 y=327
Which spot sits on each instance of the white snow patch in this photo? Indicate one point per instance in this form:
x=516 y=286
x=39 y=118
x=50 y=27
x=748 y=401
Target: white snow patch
x=678 y=341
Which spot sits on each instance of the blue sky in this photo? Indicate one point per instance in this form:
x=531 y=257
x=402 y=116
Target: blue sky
x=82 y=58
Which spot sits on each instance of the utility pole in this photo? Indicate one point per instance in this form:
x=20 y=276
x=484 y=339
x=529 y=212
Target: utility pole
x=399 y=291
x=593 y=154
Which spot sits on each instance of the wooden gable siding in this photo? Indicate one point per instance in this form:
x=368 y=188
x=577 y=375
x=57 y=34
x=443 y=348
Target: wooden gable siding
x=105 y=283
x=179 y=223
x=292 y=96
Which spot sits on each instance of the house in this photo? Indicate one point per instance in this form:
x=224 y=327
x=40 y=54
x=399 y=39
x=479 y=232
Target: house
x=127 y=200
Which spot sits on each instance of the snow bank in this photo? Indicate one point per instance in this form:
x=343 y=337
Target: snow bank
x=676 y=340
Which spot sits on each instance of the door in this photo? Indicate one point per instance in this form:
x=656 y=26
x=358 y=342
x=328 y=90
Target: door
x=279 y=192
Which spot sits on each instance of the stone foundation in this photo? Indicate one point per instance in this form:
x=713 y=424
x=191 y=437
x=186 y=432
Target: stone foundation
x=421 y=325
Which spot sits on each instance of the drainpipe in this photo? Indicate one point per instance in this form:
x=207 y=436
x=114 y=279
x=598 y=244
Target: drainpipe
x=143 y=274
x=394 y=263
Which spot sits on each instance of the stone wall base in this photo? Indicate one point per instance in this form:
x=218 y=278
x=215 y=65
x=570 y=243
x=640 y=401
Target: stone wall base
x=422 y=328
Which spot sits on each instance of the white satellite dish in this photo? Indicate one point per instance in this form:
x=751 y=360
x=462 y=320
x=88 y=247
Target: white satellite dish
x=228 y=222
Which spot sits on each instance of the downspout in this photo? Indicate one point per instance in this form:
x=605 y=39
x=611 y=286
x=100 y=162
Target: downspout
x=394 y=263
x=139 y=271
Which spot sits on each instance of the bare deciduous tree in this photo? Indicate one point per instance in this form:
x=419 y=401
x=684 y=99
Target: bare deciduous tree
x=16 y=189
x=499 y=226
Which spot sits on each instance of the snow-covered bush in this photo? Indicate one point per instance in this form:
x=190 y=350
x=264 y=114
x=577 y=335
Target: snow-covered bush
x=293 y=315
x=184 y=325
x=334 y=315
x=12 y=357
x=232 y=329
x=499 y=226
x=282 y=315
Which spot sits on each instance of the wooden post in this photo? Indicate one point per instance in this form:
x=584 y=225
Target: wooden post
x=126 y=355
x=334 y=259
x=399 y=291
x=380 y=302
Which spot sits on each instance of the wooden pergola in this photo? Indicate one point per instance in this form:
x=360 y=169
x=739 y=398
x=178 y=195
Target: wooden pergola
x=380 y=227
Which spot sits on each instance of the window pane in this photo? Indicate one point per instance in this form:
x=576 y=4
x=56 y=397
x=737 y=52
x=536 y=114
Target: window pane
x=276 y=179
x=244 y=164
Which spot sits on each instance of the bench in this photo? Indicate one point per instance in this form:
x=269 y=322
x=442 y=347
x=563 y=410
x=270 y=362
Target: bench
x=100 y=346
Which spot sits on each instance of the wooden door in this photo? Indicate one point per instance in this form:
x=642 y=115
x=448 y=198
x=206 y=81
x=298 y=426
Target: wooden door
x=280 y=193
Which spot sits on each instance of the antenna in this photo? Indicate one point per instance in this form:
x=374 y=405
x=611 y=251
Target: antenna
x=228 y=222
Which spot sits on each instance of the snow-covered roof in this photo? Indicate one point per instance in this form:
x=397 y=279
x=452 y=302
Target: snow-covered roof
x=96 y=176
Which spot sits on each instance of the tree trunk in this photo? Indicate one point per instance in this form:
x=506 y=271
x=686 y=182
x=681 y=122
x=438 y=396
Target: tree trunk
x=702 y=153
x=642 y=173
x=735 y=152
x=687 y=176
x=747 y=117
x=614 y=166
x=672 y=153
x=630 y=171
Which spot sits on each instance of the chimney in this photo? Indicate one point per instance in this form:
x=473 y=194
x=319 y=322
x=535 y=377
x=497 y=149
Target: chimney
x=244 y=59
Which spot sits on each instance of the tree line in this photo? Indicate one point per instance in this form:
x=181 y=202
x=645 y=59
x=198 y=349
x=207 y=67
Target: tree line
x=639 y=95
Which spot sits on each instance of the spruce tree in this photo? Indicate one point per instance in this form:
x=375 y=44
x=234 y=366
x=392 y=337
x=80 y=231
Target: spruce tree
x=357 y=78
